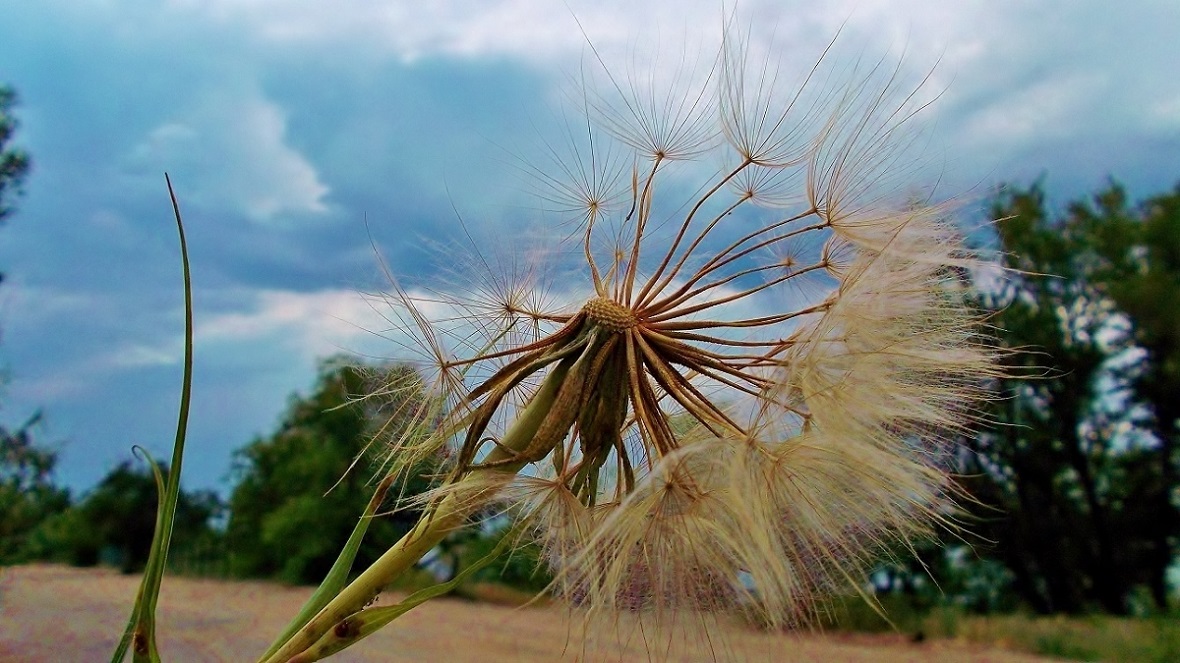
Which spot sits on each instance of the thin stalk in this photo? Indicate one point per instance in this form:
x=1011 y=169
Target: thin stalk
x=449 y=514
x=141 y=628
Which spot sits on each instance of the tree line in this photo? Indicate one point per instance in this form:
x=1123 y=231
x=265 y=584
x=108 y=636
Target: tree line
x=297 y=494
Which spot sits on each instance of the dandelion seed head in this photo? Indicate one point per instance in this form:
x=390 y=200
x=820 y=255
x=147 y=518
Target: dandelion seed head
x=746 y=393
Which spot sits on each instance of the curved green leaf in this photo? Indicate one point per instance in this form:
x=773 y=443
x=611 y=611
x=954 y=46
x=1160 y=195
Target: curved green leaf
x=140 y=635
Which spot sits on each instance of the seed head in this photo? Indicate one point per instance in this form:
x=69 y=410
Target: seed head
x=609 y=315
x=754 y=395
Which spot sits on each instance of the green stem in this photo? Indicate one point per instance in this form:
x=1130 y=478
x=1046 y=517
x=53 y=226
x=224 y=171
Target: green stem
x=444 y=518
x=140 y=635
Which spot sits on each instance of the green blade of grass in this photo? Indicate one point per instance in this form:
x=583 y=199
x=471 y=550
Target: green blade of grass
x=140 y=635
x=337 y=575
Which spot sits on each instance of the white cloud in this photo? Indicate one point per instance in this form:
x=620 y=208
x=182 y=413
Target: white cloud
x=985 y=48
x=138 y=356
x=233 y=147
x=304 y=326
x=1165 y=114
x=1014 y=74
x=1046 y=110
x=38 y=306
x=34 y=392
x=542 y=30
x=1014 y=69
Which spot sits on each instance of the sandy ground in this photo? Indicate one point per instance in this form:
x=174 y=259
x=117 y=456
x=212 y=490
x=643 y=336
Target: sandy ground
x=61 y=614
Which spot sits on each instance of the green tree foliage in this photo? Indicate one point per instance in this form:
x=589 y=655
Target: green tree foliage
x=1083 y=480
x=300 y=490
x=1136 y=253
x=14 y=163
x=113 y=524
x=27 y=494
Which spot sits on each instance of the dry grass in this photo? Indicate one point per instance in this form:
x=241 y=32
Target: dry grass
x=55 y=613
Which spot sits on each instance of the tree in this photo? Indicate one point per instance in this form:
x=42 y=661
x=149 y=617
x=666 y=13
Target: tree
x=1137 y=264
x=300 y=491
x=14 y=163
x=1083 y=489
x=114 y=522
x=27 y=494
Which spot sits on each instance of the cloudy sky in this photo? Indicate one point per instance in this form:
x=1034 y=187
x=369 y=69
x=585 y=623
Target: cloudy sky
x=297 y=132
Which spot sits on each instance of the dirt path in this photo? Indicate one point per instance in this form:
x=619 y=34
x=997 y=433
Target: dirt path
x=62 y=615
